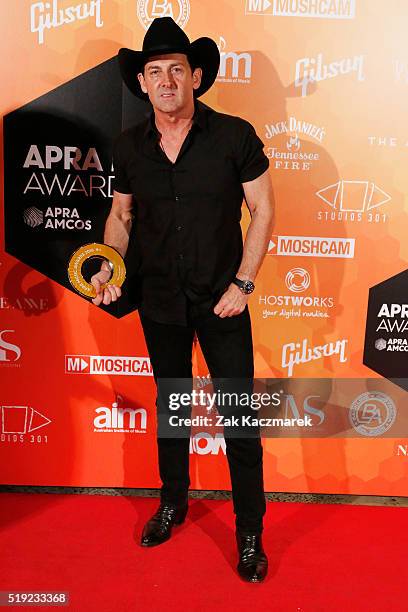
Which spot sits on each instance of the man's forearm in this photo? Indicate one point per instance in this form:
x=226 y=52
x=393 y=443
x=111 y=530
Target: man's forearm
x=256 y=244
x=117 y=230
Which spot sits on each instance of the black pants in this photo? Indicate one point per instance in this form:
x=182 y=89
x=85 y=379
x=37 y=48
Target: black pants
x=227 y=347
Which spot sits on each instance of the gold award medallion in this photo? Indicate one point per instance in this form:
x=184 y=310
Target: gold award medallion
x=100 y=251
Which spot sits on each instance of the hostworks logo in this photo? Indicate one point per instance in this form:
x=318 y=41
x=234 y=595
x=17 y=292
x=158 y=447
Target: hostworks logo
x=326 y=9
x=297 y=280
x=291 y=306
x=147 y=10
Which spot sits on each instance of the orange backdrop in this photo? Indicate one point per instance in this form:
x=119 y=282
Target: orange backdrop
x=325 y=85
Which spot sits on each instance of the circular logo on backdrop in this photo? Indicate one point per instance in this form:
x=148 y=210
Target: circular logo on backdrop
x=147 y=10
x=380 y=344
x=297 y=280
x=372 y=413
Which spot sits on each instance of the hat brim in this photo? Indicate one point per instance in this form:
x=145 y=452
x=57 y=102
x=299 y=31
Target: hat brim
x=203 y=52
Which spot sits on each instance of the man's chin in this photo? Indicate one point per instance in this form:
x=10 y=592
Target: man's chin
x=168 y=104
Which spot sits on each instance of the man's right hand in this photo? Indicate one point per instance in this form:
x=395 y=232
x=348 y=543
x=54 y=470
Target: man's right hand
x=104 y=295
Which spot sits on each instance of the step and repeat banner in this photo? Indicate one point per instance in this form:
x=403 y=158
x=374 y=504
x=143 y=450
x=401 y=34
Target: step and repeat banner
x=325 y=84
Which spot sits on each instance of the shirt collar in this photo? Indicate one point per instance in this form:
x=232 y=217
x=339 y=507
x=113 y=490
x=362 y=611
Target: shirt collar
x=200 y=119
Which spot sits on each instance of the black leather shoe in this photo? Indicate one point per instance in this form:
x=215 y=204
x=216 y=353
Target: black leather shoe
x=158 y=529
x=253 y=563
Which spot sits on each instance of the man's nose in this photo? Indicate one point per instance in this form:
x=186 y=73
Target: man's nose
x=168 y=79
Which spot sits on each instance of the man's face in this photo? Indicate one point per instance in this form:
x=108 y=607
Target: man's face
x=169 y=82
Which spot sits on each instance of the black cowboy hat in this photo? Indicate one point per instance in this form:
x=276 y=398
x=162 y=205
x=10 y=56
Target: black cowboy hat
x=164 y=36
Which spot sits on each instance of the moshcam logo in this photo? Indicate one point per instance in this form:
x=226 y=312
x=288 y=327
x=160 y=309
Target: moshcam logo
x=323 y=9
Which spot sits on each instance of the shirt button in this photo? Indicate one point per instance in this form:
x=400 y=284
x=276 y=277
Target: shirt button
x=177 y=199
x=179 y=228
x=180 y=256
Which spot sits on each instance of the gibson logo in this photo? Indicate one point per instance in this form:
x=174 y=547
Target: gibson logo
x=296 y=353
x=313 y=69
x=47 y=15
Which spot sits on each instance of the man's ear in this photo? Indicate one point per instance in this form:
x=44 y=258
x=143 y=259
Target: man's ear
x=142 y=82
x=197 y=75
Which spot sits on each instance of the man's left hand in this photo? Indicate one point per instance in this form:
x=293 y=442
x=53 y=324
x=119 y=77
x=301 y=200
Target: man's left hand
x=232 y=302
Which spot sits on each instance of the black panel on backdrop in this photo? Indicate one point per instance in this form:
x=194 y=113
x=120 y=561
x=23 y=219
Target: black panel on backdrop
x=58 y=173
x=386 y=340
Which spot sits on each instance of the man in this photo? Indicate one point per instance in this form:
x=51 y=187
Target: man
x=182 y=174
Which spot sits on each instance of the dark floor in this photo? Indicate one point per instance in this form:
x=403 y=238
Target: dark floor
x=308 y=498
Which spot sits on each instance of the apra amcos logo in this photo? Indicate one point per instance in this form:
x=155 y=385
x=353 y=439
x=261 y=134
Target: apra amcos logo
x=234 y=67
x=120 y=419
x=354 y=201
x=56 y=218
x=9 y=352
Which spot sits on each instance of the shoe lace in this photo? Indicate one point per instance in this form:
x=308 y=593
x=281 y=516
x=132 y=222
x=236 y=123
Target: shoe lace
x=250 y=547
x=165 y=514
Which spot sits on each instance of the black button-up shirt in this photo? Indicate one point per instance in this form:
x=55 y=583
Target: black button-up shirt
x=187 y=214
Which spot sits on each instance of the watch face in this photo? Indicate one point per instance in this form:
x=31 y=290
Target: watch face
x=248 y=286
